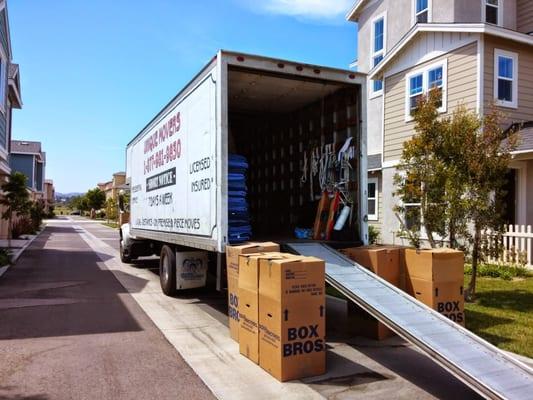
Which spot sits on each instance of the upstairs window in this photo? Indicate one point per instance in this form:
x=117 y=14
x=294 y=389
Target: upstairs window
x=421 y=82
x=373 y=199
x=421 y=11
x=435 y=80
x=416 y=90
x=378 y=49
x=506 y=78
x=492 y=11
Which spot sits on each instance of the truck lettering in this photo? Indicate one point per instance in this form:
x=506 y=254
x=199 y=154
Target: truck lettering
x=200 y=165
x=201 y=185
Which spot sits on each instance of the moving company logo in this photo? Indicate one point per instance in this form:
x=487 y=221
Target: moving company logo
x=303 y=340
x=193 y=269
x=161 y=180
x=451 y=310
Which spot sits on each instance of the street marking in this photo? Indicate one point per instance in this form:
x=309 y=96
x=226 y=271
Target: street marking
x=201 y=340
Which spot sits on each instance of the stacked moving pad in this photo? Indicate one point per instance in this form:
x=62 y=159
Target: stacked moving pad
x=239 y=229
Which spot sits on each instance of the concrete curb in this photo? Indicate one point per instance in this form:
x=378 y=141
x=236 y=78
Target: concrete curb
x=16 y=255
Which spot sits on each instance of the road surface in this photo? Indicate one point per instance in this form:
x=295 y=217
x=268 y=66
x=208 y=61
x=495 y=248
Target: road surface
x=69 y=330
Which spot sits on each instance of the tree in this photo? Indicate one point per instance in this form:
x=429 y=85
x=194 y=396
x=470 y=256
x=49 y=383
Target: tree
x=455 y=167
x=111 y=210
x=95 y=198
x=79 y=203
x=487 y=158
x=421 y=175
x=15 y=199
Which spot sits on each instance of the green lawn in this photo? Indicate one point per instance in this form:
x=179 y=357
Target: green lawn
x=111 y=224
x=503 y=313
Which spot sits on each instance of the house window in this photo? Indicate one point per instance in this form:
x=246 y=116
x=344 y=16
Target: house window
x=506 y=78
x=435 y=81
x=420 y=82
x=416 y=90
x=373 y=199
x=492 y=10
x=421 y=11
x=378 y=48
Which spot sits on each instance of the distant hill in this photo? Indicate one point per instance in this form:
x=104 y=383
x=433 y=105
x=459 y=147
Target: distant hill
x=66 y=196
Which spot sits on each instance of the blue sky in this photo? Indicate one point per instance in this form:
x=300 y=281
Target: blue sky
x=95 y=72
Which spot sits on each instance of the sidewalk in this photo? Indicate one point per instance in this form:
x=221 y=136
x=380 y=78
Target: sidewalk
x=17 y=248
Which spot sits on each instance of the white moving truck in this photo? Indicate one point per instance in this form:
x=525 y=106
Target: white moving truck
x=278 y=114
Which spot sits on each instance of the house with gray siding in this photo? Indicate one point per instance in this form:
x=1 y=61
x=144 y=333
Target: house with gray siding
x=478 y=53
x=28 y=158
x=10 y=98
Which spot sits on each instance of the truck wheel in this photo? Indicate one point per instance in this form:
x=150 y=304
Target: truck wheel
x=167 y=270
x=123 y=257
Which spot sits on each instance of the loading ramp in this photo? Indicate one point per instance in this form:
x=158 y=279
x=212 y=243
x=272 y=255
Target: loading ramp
x=480 y=365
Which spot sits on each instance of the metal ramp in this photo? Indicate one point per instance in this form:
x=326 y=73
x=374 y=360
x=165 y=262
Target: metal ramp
x=482 y=366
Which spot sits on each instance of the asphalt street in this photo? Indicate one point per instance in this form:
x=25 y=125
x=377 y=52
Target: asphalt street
x=69 y=330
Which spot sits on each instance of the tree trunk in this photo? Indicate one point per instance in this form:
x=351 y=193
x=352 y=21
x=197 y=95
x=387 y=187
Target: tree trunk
x=470 y=293
x=453 y=244
x=9 y=231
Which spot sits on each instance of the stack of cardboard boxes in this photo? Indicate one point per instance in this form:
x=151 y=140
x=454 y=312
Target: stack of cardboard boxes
x=232 y=266
x=435 y=277
x=281 y=309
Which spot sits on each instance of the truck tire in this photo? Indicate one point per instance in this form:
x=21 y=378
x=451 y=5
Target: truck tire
x=167 y=270
x=123 y=257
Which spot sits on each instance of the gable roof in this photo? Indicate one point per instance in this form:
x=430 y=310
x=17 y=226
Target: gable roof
x=417 y=29
x=524 y=131
x=354 y=12
x=25 y=147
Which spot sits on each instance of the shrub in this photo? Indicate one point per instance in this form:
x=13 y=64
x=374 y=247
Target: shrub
x=373 y=234
x=4 y=257
x=24 y=226
x=506 y=272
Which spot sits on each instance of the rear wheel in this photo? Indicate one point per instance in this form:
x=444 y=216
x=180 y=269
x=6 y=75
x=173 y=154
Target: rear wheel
x=167 y=270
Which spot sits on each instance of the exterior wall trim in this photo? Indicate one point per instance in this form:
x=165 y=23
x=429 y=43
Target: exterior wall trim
x=451 y=28
x=480 y=75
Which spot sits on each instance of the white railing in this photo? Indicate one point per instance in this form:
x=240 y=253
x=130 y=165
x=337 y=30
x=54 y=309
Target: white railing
x=517 y=245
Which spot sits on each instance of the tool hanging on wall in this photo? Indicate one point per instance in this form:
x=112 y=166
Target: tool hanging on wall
x=333 y=208
x=321 y=216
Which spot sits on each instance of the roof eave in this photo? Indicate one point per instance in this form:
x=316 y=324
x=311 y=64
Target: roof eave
x=354 y=12
x=377 y=71
x=16 y=94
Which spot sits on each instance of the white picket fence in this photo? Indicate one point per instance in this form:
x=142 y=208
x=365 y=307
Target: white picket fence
x=517 y=245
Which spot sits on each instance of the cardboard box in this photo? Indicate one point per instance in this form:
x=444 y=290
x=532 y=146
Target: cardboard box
x=382 y=260
x=445 y=297
x=363 y=324
x=249 y=302
x=232 y=267
x=437 y=265
x=385 y=262
x=292 y=317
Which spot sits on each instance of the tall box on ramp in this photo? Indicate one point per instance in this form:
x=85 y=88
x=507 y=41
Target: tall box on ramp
x=385 y=262
x=292 y=323
x=232 y=267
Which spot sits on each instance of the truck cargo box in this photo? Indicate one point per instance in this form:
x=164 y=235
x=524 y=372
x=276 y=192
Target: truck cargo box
x=270 y=111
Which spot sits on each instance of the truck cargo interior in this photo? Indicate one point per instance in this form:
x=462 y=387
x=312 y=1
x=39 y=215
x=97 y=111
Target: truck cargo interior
x=294 y=133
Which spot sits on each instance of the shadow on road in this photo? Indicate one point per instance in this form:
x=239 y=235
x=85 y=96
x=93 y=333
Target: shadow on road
x=62 y=291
